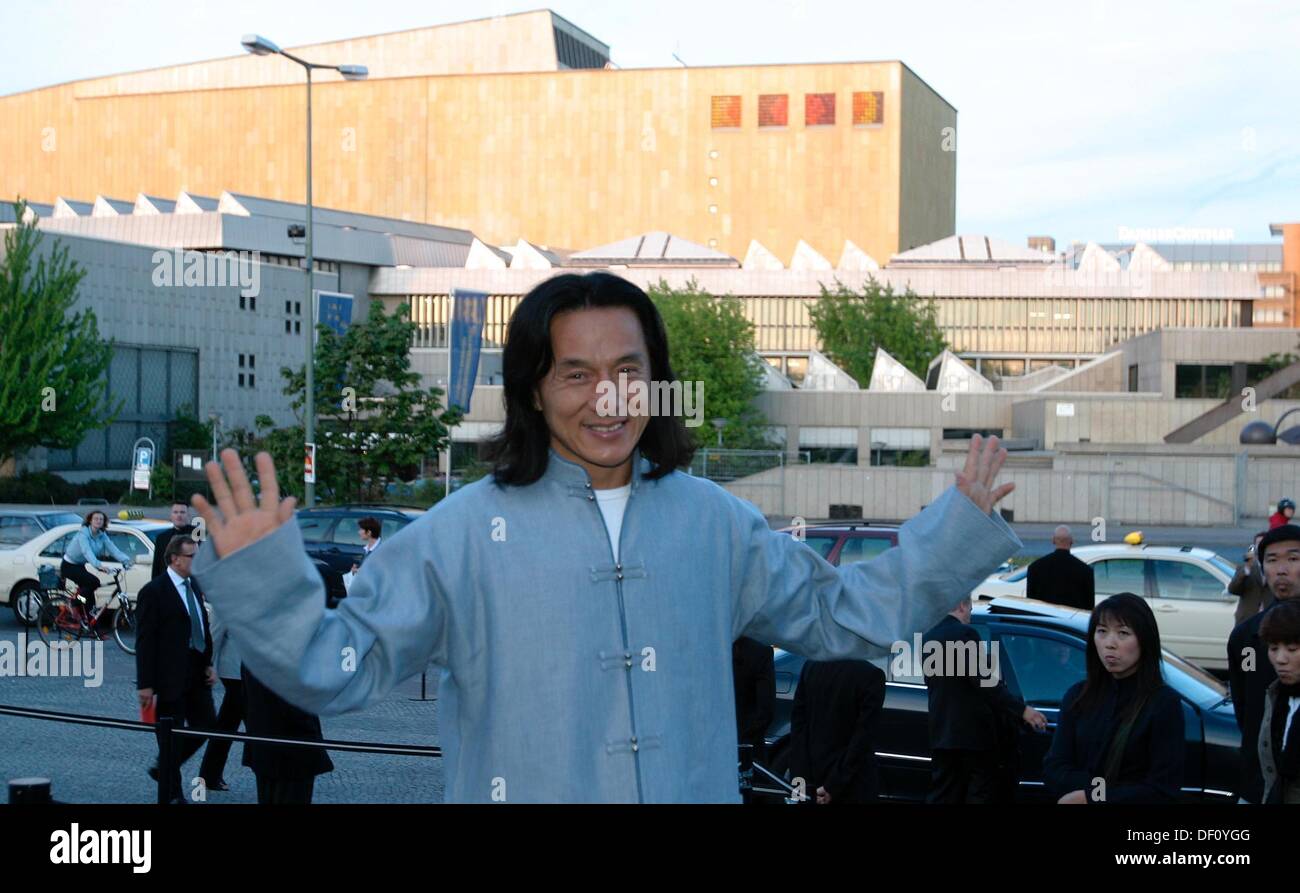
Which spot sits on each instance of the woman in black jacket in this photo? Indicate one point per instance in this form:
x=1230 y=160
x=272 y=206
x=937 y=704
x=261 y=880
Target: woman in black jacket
x=1120 y=734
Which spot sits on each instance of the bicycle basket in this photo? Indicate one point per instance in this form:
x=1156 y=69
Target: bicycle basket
x=48 y=576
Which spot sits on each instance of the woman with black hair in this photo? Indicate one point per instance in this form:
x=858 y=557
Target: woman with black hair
x=1120 y=734
x=1279 y=731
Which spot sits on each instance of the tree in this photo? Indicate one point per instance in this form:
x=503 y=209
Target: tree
x=851 y=325
x=711 y=341
x=52 y=361
x=374 y=423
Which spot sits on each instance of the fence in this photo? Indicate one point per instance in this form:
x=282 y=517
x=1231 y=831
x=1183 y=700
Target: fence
x=170 y=733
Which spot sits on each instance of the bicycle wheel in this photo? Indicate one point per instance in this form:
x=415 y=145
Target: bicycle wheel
x=124 y=628
x=57 y=620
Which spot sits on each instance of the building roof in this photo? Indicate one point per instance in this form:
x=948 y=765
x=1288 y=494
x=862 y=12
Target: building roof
x=1195 y=252
x=658 y=248
x=972 y=249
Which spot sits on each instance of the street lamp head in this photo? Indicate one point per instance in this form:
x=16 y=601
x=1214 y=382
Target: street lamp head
x=354 y=72
x=1258 y=433
x=258 y=45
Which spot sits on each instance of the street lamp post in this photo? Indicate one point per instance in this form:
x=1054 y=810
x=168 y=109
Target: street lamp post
x=1260 y=432
x=260 y=46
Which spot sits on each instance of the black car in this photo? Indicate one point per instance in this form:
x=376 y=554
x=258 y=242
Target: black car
x=1041 y=654
x=333 y=542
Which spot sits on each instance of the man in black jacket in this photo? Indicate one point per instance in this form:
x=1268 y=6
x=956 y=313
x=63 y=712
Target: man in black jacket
x=833 y=730
x=1060 y=578
x=173 y=657
x=285 y=774
x=974 y=719
x=181 y=526
x=753 y=669
x=1249 y=670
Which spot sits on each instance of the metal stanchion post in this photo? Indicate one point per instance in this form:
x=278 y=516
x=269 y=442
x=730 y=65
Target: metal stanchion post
x=166 y=754
x=29 y=790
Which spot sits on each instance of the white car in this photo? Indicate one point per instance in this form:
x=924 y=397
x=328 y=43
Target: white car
x=19 y=564
x=1187 y=588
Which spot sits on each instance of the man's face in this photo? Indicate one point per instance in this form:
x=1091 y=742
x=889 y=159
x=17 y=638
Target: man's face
x=182 y=560
x=591 y=346
x=180 y=514
x=1288 y=512
x=1282 y=568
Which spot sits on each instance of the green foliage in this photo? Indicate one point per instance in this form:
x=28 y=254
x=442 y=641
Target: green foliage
x=851 y=325
x=712 y=341
x=374 y=423
x=52 y=361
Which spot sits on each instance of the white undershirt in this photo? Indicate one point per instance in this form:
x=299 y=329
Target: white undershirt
x=612 y=505
x=1294 y=705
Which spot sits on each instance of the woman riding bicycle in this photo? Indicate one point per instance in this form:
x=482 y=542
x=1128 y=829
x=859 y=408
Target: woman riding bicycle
x=87 y=547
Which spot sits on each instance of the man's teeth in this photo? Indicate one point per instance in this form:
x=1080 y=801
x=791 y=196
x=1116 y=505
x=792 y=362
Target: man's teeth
x=613 y=427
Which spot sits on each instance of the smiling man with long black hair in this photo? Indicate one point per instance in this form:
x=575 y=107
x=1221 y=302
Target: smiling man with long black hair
x=582 y=600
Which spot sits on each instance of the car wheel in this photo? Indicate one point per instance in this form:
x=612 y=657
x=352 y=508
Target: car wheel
x=26 y=602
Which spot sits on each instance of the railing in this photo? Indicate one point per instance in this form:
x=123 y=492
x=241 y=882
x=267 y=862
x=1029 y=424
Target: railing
x=170 y=732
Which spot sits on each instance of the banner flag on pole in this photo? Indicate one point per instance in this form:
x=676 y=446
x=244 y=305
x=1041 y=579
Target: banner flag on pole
x=468 y=311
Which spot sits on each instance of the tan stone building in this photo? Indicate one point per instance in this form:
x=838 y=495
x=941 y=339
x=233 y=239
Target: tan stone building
x=517 y=126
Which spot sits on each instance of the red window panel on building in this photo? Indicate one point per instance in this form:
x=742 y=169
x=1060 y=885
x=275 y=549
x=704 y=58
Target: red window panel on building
x=868 y=108
x=725 y=111
x=818 y=109
x=773 y=110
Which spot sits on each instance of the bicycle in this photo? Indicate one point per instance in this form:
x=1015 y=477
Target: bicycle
x=62 y=615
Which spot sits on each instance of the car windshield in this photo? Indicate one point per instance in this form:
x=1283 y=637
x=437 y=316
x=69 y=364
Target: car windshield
x=1192 y=682
x=54 y=519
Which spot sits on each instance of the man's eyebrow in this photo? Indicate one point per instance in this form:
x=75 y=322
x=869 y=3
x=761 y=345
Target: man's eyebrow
x=579 y=362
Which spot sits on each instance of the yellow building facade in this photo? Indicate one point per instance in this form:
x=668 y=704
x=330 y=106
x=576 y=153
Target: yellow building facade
x=506 y=126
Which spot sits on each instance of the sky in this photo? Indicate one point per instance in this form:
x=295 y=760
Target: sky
x=1075 y=120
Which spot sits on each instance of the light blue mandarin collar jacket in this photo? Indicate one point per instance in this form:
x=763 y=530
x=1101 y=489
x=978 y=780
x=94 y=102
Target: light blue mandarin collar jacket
x=565 y=675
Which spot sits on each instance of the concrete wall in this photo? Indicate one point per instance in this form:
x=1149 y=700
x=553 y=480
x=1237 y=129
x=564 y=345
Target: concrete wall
x=1188 y=486
x=928 y=170
x=1157 y=354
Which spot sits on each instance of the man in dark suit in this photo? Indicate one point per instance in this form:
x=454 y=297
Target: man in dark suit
x=181 y=526
x=285 y=774
x=1060 y=578
x=833 y=730
x=173 y=657
x=1250 y=672
x=753 y=670
x=973 y=722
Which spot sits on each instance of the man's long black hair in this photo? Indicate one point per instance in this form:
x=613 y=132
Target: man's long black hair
x=519 y=454
x=1124 y=609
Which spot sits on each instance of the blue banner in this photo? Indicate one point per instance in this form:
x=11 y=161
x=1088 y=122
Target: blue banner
x=468 y=311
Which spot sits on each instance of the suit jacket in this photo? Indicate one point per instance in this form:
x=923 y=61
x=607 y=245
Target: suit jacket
x=1252 y=591
x=268 y=714
x=754 y=668
x=1062 y=579
x=963 y=714
x=1249 y=689
x=162 y=644
x=160 y=547
x=833 y=729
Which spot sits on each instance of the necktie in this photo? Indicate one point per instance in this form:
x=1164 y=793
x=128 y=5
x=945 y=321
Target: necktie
x=196 y=625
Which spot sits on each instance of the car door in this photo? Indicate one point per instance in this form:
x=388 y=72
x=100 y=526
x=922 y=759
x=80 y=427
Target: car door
x=1193 y=610
x=903 y=735
x=314 y=528
x=1039 y=666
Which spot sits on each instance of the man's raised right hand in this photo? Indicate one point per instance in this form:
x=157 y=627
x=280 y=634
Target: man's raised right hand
x=241 y=519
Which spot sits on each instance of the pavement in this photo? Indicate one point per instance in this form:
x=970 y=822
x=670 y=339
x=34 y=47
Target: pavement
x=95 y=765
